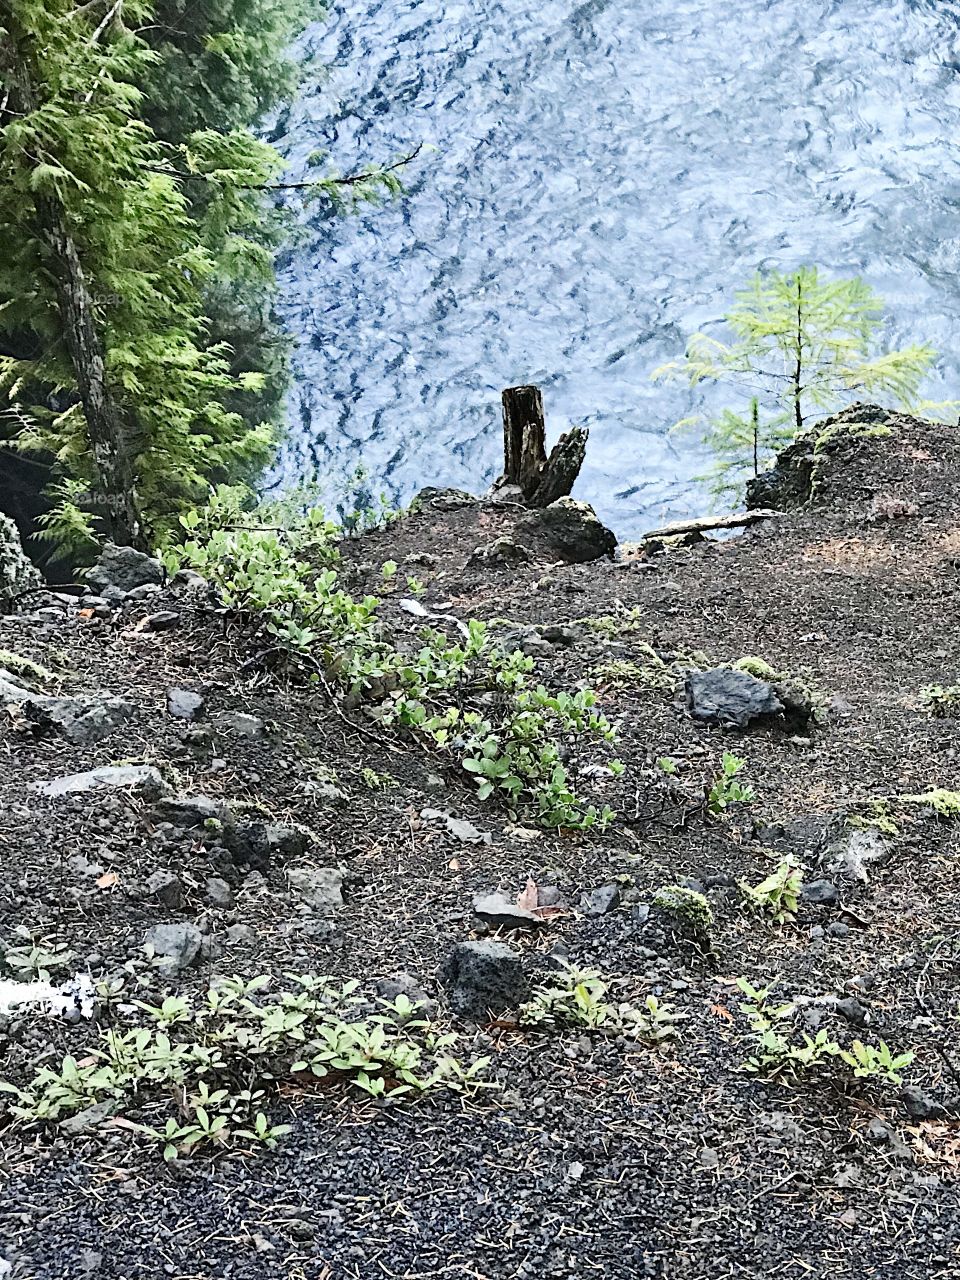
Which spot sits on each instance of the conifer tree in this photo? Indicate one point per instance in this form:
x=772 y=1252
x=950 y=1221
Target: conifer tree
x=802 y=347
x=102 y=263
x=111 y=240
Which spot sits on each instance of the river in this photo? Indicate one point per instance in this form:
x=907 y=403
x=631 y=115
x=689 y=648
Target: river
x=604 y=177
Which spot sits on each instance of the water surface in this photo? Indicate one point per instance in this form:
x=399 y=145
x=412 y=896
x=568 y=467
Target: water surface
x=605 y=175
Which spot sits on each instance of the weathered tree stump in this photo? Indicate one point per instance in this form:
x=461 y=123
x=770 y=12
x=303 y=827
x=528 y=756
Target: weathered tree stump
x=525 y=463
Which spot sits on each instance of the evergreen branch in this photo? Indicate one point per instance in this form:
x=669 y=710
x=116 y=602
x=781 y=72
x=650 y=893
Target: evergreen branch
x=108 y=17
x=349 y=180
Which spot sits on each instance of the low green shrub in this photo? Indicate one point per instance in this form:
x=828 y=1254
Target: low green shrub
x=779 y=894
x=226 y=1055
x=778 y=1049
x=518 y=739
x=726 y=788
x=577 y=998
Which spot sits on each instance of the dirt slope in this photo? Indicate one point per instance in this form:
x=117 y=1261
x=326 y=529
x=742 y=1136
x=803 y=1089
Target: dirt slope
x=598 y=1155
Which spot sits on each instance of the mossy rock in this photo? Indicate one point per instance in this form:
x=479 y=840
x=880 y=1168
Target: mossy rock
x=689 y=912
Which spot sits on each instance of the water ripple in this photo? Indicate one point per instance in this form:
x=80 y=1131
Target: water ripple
x=605 y=176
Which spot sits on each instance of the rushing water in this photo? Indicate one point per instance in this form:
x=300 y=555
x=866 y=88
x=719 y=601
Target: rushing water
x=605 y=175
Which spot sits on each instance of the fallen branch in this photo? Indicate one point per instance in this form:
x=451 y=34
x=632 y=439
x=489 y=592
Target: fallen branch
x=739 y=520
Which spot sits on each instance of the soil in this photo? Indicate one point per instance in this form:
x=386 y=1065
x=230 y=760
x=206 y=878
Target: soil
x=597 y=1155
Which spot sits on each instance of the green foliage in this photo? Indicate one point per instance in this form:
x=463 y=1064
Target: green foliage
x=758 y=668
x=779 y=894
x=134 y=123
x=876 y=1062
x=944 y=803
x=801 y=346
x=516 y=738
x=938 y=699
x=726 y=789
x=877 y=817
x=25 y=669
x=378 y=781
x=80 y=146
x=828 y=436
x=222 y=65
x=777 y=1048
x=224 y=1055
x=36 y=959
x=577 y=998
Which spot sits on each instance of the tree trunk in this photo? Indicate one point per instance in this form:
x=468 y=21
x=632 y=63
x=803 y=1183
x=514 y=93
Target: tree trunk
x=111 y=456
x=525 y=463
x=116 y=503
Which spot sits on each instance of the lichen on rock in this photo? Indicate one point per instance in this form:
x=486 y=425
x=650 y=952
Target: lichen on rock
x=17 y=574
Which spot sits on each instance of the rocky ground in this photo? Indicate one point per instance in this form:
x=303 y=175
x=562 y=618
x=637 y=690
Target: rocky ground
x=336 y=848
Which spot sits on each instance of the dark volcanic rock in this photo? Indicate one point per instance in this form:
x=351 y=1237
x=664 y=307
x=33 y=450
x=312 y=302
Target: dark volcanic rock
x=218 y=893
x=727 y=697
x=123 y=569
x=919 y=1104
x=179 y=943
x=600 y=901
x=319 y=887
x=165 y=886
x=484 y=978
x=191 y=811
x=17 y=574
x=258 y=843
x=822 y=893
x=163 y=620
x=81 y=720
x=788 y=484
x=239 y=722
x=573 y=531
x=444 y=499
x=502 y=552
x=142 y=778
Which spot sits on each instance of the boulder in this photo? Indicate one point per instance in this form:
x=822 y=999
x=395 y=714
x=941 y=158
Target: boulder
x=573 y=531
x=241 y=723
x=183 y=704
x=122 y=569
x=191 y=811
x=919 y=1104
x=80 y=720
x=162 y=620
x=178 y=943
x=459 y=828
x=852 y=855
x=444 y=499
x=484 y=978
x=239 y=935
x=404 y=984
x=219 y=893
x=319 y=887
x=727 y=697
x=142 y=778
x=17 y=574
x=165 y=886
x=821 y=893
x=502 y=553
x=257 y=843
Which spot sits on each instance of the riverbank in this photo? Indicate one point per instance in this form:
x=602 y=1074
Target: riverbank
x=334 y=847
